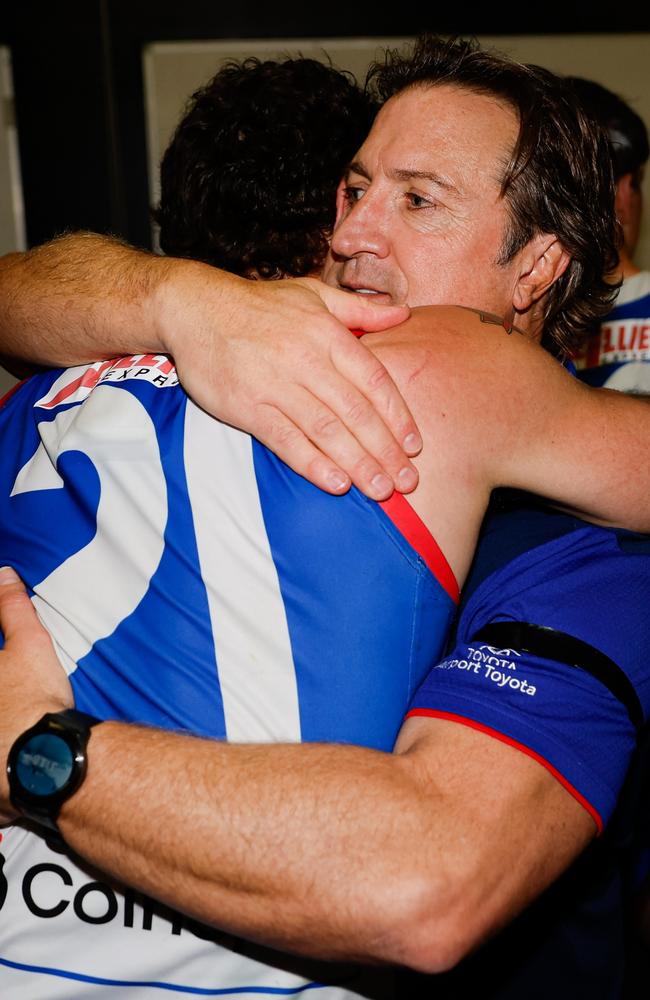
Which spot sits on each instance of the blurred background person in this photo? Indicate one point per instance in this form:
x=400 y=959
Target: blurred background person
x=618 y=354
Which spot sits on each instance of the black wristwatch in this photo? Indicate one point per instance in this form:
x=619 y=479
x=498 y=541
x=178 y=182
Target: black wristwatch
x=47 y=764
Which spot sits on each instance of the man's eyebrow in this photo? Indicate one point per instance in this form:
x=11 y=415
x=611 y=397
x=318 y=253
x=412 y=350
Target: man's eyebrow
x=356 y=167
x=405 y=174
x=424 y=175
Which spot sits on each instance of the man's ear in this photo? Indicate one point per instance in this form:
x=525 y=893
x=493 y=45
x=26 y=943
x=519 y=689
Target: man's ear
x=542 y=262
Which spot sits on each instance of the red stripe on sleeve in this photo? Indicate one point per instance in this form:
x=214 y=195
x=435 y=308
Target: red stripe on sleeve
x=464 y=721
x=418 y=535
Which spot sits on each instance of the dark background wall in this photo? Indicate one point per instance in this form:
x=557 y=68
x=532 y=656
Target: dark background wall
x=79 y=96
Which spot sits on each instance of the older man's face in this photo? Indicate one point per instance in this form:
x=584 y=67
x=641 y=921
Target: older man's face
x=420 y=219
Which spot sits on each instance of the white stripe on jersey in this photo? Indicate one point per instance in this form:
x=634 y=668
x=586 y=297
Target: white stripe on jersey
x=129 y=540
x=251 y=636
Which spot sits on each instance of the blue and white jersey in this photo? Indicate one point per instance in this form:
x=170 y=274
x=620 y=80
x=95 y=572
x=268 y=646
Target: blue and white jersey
x=618 y=356
x=190 y=580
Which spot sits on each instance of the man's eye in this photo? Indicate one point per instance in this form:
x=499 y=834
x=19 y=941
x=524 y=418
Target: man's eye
x=418 y=201
x=352 y=194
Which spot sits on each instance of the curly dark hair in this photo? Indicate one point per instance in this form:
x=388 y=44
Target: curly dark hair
x=559 y=178
x=248 y=181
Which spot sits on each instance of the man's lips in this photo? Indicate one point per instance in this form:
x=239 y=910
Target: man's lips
x=361 y=289
x=383 y=298
x=362 y=277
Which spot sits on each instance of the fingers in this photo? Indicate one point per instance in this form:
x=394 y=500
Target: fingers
x=285 y=439
x=290 y=373
x=345 y=425
x=359 y=312
x=16 y=612
x=32 y=676
x=19 y=622
x=356 y=427
x=360 y=368
x=362 y=371
x=310 y=437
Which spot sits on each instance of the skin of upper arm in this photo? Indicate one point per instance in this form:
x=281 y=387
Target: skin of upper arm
x=502 y=827
x=577 y=445
x=513 y=416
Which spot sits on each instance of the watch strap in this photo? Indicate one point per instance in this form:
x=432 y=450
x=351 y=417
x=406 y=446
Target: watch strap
x=70 y=719
x=80 y=721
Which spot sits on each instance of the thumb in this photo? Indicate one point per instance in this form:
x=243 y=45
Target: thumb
x=359 y=312
x=16 y=610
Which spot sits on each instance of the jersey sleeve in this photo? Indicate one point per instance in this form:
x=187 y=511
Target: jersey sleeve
x=560 y=715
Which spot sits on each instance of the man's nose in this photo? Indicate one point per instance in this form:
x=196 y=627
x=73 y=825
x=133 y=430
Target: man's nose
x=362 y=230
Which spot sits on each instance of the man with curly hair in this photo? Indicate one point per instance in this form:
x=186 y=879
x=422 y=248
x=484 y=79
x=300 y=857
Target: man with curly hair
x=415 y=857
x=253 y=199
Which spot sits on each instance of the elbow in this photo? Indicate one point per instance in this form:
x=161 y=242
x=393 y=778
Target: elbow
x=433 y=943
x=425 y=925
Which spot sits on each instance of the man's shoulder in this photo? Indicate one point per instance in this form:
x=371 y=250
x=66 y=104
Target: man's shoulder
x=458 y=346
x=473 y=388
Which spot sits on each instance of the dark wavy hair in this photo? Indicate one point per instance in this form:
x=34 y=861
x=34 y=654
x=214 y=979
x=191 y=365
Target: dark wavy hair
x=249 y=179
x=559 y=177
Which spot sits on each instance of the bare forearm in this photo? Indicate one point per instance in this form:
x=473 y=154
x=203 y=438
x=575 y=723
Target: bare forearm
x=59 y=301
x=335 y=852
x=84 y=296
x=299 y=847
x=237 y=345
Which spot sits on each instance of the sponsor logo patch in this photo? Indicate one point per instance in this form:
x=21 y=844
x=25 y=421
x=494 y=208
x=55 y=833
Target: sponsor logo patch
x=75 y=384
x=498 y=666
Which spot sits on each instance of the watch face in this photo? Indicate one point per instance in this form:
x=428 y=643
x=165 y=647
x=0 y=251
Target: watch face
x=44 y=764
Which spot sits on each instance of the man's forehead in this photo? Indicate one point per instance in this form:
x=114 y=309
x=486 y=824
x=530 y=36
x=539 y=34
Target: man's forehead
x=448 y=99
x=427 y=127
